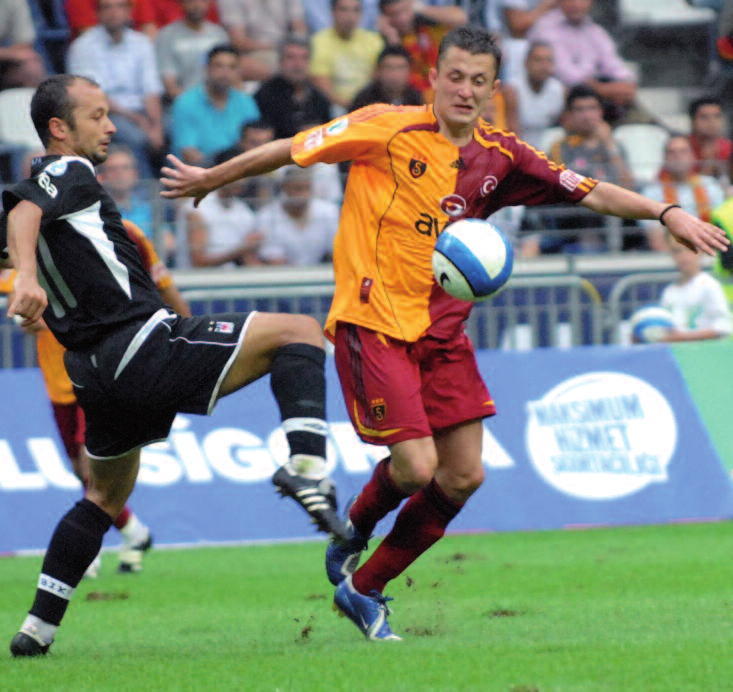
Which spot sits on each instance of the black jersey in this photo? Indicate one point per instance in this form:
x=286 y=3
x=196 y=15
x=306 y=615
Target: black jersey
x=90 y=269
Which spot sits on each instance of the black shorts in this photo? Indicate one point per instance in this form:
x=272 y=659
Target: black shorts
x=132 y=384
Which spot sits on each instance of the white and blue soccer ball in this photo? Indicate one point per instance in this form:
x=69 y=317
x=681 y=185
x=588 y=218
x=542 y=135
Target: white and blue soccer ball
x=650 y=324
x=472 y=260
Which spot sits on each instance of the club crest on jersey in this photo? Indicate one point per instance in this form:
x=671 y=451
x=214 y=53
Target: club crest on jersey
x=570 y=179
x=222 y=327
x=453 y=205
x=488 y=185
x=417 y=167
x=57 y=168
x=314 y=139
x=379 y=409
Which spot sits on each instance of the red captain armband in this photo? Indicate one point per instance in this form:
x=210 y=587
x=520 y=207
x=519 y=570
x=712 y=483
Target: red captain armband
x=665 y=210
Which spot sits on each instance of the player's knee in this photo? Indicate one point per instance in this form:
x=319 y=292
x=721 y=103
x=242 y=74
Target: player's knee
x=412 y=474
x=460 y=485
x=302 y=329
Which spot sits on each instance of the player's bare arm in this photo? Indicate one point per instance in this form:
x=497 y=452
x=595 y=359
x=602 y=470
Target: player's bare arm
x=191 y=181
x=685 y=228
x=29 y=301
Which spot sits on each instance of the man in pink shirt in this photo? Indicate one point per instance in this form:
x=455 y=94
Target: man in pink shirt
x=585 y=53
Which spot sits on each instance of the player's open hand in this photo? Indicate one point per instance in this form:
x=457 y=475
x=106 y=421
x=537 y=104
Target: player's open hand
x=183 y=180
x=29 y=300
x=695 y=234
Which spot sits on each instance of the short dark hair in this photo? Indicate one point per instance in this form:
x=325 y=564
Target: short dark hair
x=534 y=45
x=697 y=104
x=581 y=91
x=256 y=125
x=474 y=40
x=336 y=2
x=219 y=48
x=52 y=100
x=386 y=3
x=293 y=40
x=393 y=52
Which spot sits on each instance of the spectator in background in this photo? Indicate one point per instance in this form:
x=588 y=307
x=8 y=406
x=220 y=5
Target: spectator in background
x=502 y=110
x=680 y=184
x=122 y=61
x=169 y=11
x=586 y=54
x=540 y=95
x=258 y=27
x=208 y=117
x=182 y=47
x=120 y=176
x=297 y=228
x=344 y=56
x=696 y=300
x=391 y=82
x=220 y=232
x=260 y=189
x=588 y=149
x=517 y=18
x=20 y=64
x=318 y=15
x=84 y=14
x=289 y=99
x=420 y=32
x=712 y=150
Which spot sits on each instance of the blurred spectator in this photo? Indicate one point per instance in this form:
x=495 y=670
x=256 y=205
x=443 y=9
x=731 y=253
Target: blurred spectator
x=258 y=27
x=679 y=183
x=722 y=217
x=84 y=14
x=586 y=54
x=122 y=60
x=588 y=149
x=344 y=56
x=120 y=176
x=220 y=232
x=391 y=82
x=208 y=118
x=517 y=17
x=258 y=190
x=297 y=228
x=712 y=150
x=696 y=300
x=289 y=100
x=169 y=11
x=20 y=64
x=540 y=96
x=318 y=15
x=502 y=110
x=420 y=32
x=182 y=47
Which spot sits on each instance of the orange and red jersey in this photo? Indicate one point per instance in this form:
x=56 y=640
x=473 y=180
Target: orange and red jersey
x=51 y=352
x=406 y=183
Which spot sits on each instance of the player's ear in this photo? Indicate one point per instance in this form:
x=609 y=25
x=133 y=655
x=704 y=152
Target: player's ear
x=58 y=128
x=433 y=76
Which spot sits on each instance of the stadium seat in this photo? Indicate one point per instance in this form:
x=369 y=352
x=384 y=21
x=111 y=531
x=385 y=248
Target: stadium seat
x=17 y=134
x=663 y=13
x=643 y=146
x=550 y=136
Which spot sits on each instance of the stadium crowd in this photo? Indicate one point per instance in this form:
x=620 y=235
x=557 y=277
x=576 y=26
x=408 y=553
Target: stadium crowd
x=207 y=79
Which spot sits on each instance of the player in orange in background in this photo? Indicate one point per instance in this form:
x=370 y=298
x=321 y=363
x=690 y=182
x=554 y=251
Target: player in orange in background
x=407 y=369
x=69 y=415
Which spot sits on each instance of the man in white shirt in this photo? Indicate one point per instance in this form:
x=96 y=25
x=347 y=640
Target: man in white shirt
x=297 y=228
x=123 y=62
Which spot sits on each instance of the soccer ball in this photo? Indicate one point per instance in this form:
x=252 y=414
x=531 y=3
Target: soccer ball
x=472 y=259
x=650 y=324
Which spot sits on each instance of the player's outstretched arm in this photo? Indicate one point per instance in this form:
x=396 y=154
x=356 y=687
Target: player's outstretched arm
x=606 y=198
x=182 y=180
x=24 y=223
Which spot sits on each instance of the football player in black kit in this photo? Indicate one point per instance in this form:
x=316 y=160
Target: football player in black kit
x=135 y=363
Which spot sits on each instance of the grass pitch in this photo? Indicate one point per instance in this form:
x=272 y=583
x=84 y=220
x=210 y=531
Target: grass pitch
x=631 y=609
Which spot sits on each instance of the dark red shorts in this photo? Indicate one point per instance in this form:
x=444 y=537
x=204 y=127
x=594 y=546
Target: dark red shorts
x=72 y=425
x=395 y=390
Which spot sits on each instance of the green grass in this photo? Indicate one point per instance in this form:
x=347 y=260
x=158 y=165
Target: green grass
x=632 y=609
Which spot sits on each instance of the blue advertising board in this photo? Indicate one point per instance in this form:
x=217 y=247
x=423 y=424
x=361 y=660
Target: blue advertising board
x=584 y=437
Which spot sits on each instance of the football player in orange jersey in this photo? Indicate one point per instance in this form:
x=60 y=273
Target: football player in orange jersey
x=69 y=416
x=407 y=369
